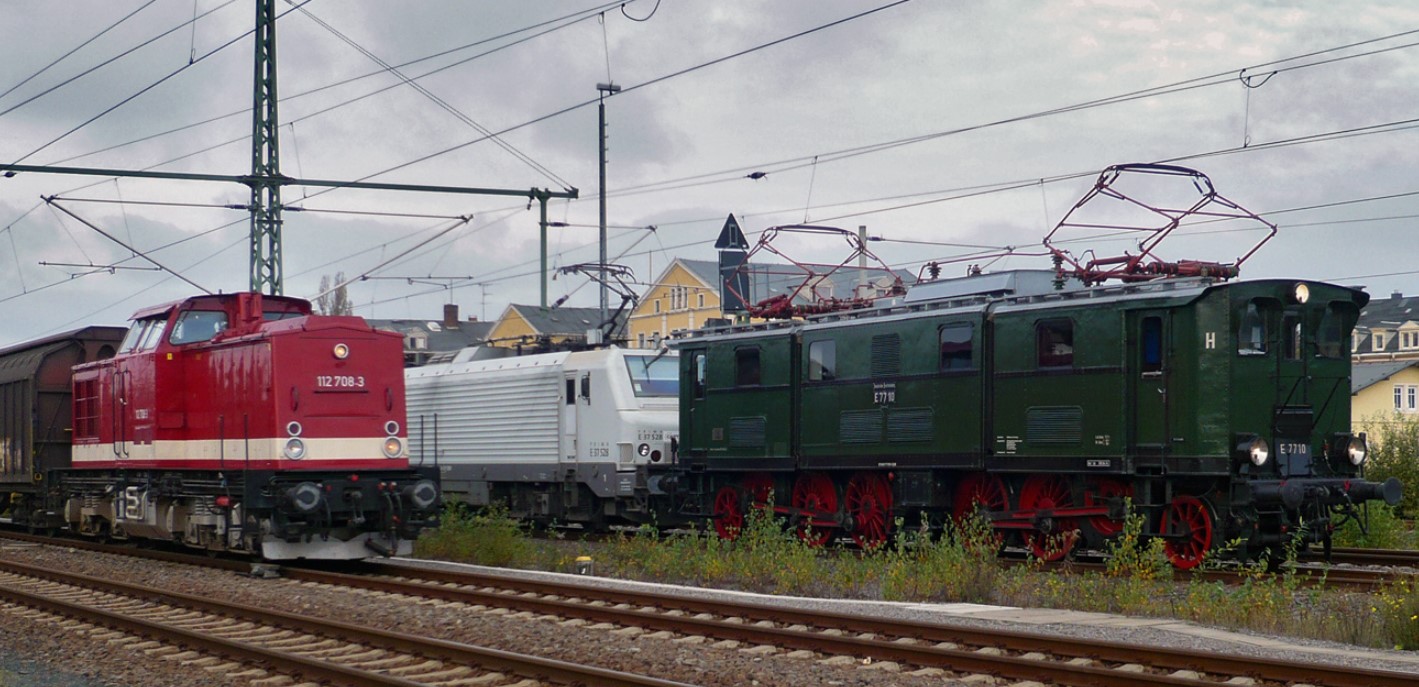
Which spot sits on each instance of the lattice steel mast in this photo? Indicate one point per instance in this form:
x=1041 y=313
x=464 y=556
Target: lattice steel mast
x=265 y=159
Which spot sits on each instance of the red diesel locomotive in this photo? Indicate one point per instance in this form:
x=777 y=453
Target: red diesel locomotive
x=236 y=422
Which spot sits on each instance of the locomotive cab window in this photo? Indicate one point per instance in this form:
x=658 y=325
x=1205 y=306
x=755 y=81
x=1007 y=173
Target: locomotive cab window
x=746 y=366
x=134 y=337
x=1330 y=335
x=195 y=326
x=152 y=335
x=1294 y=338
x=956 y=347
x=822 y=361
x=1251 y=331
x=1054 y=343
x=653 y=375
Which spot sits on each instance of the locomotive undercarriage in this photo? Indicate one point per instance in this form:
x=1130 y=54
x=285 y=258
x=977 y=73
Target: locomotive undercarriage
x=557 y=504
x=1050 y=514
x=277 y=516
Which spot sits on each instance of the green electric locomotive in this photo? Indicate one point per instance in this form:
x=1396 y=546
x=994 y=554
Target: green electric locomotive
x=1221 y=409
x=1045 y=401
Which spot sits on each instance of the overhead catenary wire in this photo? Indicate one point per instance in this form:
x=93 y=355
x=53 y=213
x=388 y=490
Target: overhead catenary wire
x=107 y=62
x=83 y=45
x=627 y=89
x=144 y=90
x=556 y=24
x=1090 y=172
x=440 y=102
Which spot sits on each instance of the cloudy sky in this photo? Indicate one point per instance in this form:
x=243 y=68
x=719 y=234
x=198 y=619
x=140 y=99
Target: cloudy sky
x=945 y=128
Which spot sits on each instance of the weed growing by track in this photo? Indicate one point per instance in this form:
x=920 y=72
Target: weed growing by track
x=959 y=565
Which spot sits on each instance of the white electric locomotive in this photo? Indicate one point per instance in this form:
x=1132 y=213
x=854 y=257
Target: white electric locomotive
x=560 y=438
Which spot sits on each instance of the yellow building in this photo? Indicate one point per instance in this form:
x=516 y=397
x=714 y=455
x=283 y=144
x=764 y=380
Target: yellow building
x=682 y=297
x=686 y=294
x=531 y=326
x=1379 y=391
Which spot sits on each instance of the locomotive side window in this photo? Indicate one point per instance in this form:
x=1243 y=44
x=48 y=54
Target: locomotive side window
x=956 y=347
x=1251 y=332
x=1294 y=341
x=197 y=325
x=1152 y=345
x=1054 y=343
x=746 y=366
x=822 y=361
x=699 y=370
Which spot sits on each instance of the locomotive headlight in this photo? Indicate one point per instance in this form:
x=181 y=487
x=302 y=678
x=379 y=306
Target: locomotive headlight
x=1357 y=451
x=341 y=351
x=1301 y=293
x=293 y=428
x=643 y=450
x=391 y=427
x=295 y=449
x=393 y=447
x=1255 y=448
x=1259 y=452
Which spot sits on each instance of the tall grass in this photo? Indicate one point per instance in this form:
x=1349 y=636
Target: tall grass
x=957 y=564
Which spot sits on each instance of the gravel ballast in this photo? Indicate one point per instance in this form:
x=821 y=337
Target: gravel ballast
x=35 y=654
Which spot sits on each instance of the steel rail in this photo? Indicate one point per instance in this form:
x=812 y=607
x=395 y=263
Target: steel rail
x=490 y=659
x=1025 y=642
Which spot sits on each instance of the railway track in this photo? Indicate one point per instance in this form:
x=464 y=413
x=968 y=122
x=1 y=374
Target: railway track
x=1384 y=557
x=261 y=645
x=826 y=636
x=1006 y=654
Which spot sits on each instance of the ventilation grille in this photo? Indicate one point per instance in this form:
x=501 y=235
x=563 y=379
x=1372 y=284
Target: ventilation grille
x=747 y=432
x=860 y=426
x=886 y=355
x=1054 y=425
x=909 y=424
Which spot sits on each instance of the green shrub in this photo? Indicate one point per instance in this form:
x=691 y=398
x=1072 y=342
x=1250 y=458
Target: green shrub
x=1394 y=452
x=1383 y=530
x=485 y=537
x=1397 y=606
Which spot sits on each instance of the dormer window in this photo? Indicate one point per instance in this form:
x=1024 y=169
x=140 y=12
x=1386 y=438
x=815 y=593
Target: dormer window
x=1379 y=341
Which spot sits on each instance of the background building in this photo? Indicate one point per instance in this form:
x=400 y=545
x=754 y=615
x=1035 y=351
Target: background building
x=531 y=326
x=686 y=294
x=424 y=339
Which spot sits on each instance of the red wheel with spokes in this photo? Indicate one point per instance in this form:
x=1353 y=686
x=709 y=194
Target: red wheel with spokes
x=1049 y=492
x=1188 y=522
x=1098 y=493
x=759 y=486
x=728 y=512
x=869 y=502
x=979 y=489
x=815 y=498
